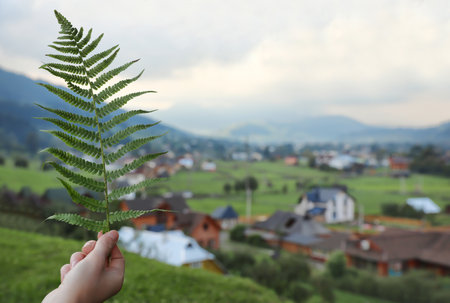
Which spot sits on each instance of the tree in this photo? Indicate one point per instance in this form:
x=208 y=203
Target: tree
x=252 y=183
x=227 y=188
x=336 y=265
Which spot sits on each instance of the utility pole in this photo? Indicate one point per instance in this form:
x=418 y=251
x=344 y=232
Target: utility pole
x=360 y=217
x=248 y=191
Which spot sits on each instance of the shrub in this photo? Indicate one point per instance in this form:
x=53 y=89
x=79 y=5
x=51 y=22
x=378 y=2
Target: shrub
x=294 y=267
x=238 y=233
x=336 y=265
x=21 y=162
x=324 y=288
x=257 y=240
x=268 y=273
x=2 y=160
x=298 y=292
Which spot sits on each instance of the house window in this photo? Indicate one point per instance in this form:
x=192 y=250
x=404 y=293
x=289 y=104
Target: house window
x=334 y=215
x=196 y=265
x=290 y=222
x=205 y=226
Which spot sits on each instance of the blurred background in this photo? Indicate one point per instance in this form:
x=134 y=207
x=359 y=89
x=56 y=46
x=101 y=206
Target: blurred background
x=308 y=150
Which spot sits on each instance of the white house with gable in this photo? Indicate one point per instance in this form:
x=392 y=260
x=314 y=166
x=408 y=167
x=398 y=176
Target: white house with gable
x=332 y=205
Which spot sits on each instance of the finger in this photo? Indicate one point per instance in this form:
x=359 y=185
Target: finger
x=105 y=244
x=117 y=261
x=88 y=247
x=64 y=270
x=75 y=258
x=100 y=233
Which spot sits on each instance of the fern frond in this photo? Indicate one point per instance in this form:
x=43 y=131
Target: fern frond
x=87 y=93
x=104 y=127
x=74 y=129
x=111 y=90
x=89 y=203
x=67 y=59
x=130 y=146
x=118 y=103
x=79 y=35
x=85 y=40
x=78 y=220
x=122 y=191
x=72 y=160
x=93 y=72
x=100 y=56
x=83 y=80
x=65 y=50
x=120 y=135
x=69 y=98
x=73 y=69
x=120 y=216
x=82 y=146
x=71 y=117
x=109 y=75
x=79 y=179
x=84 y=75
x=112 y=175
x=91 y=46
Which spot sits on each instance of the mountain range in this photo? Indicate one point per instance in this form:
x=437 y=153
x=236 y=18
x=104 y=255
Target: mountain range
x=18 y=94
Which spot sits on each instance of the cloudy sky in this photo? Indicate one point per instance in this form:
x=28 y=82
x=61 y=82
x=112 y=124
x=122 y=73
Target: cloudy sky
x=221 y=63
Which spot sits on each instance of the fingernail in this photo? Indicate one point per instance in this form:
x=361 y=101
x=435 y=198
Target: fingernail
x=88 y=243
x=113 y=234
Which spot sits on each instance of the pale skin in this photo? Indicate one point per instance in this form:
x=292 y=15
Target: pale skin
x=93 y=275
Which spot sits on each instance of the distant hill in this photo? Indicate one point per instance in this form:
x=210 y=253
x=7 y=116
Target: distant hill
x=17 y=97
x=337 y=129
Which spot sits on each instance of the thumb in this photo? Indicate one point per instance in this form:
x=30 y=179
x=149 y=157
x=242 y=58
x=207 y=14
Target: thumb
x=105 y=244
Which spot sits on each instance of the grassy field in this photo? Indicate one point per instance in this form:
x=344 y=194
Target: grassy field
x=30 y=269
x=371 y=191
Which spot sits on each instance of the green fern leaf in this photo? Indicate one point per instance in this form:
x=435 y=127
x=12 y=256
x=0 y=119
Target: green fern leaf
x=109 y=75
x=78 y=220
x=111 y=90
x=100 y=56
x=68 y=77
x=112 y=175
x=130 y=146
x=74 y=129
x=71 y=117
x=72 y=160
x=119 y=136
x=118 y=103
x=89 y=203
x=87 y=93
x=82 y=146
x=93 y=72
x=73 y=69
x=79 y=179
x=104 y=127
x=85 y=40
x=67 y=59
x=119 y=216
x=72 y=100
x=82 y=73
x=122 y=191
x=91 y=46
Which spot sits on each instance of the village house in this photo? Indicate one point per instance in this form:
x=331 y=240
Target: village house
x=291 y=160
x=170 y=247
x=327 y=204
x=178 y=216
x=395 y=252
x=226 y=216
x=289 y=231
x=425 y=205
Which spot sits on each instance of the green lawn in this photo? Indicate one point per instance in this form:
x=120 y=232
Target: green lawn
x=30 y=269
x=346 y=297
x=370 y=191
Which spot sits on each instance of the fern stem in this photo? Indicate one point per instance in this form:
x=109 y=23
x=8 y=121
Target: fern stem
x=102 y=150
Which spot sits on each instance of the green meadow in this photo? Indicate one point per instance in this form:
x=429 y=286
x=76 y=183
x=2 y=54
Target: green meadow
x=370 y=191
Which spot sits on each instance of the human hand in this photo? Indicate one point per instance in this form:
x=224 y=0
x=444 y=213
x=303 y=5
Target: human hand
x=93 y=275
